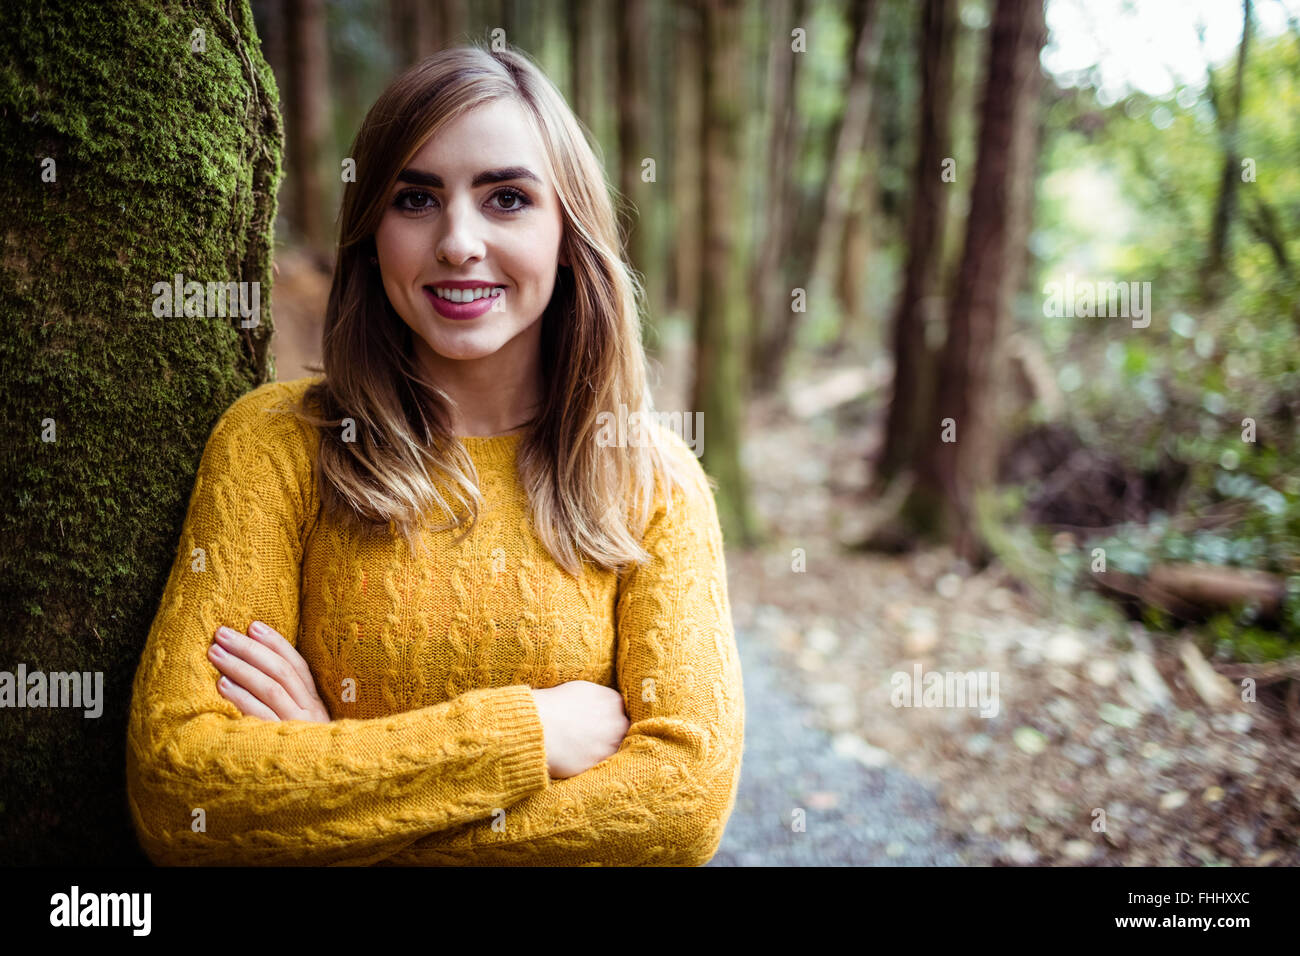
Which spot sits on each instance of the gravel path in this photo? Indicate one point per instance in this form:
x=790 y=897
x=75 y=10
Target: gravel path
x=855 y=815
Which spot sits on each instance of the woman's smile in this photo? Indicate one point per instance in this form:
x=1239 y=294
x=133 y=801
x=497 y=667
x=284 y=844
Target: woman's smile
x=467 y=303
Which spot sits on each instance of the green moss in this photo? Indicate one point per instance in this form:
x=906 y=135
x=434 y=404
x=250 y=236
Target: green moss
x=168 y=160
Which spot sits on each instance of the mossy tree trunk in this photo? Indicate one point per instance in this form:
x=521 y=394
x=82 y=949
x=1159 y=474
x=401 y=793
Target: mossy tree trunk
x=139 y=140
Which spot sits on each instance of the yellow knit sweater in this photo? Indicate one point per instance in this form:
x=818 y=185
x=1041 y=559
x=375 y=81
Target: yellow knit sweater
x=434 y=754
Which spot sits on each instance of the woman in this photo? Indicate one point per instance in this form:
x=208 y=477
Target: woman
x=431 y=607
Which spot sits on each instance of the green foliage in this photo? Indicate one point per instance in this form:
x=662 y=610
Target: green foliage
x=1211 y=388
x=1233 y=638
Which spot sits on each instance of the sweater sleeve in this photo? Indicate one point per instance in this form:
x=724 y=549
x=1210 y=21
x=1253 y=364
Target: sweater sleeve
x=207 y=785
x=664 y=798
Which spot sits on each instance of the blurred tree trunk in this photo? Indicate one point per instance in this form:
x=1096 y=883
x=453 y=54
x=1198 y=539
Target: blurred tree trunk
x=908 y=416
x=657 y=213
x=838 y=192
x=591 y=25
x=450 y=23
x=118 y=177
x=688 y=132
x=1228 y=120
x=854 y=260
x=820 y=232
x=769 y=292
x=521 y=23
x=484 y=16
x=632 y=28
x=308 y=124
x=719 y=367
x=270 y=17
x=583 y=59
x=407 y=19
x=958 y=445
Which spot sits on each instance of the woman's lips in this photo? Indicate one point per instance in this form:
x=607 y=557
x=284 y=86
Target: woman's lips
x=461 y=310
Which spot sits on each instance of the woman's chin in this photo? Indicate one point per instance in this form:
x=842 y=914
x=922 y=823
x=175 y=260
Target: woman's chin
x=467 y=345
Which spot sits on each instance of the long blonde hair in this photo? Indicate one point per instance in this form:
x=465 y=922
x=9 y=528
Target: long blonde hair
x=588 y=501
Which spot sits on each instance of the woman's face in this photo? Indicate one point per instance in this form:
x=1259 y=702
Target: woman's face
x=474 y=205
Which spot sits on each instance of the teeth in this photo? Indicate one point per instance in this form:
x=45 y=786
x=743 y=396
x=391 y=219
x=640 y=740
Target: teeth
x=466 y=295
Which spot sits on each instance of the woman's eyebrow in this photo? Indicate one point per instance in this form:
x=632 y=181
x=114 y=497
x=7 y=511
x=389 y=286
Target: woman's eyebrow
x=420 y=178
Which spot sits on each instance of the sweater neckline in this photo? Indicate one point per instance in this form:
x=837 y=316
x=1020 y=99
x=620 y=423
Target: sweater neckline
x=492 y=449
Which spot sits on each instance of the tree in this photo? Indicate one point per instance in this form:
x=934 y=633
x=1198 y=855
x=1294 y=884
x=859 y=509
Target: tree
x=140 y=141
x=684 y=285
x=719 y=369
x=908 y=415
x=450 y=23
x=958 y=445
x=632 y=35
x=308 y=121
x=838 y=193
x=584 y=59
x=1228 y=120
x=769 y=299
x=825 y=235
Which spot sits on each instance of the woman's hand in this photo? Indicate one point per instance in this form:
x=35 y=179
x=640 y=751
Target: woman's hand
x=264 y=676
x=583 y=723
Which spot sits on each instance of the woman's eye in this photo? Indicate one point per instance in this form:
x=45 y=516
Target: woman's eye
x=406 y=199
x=418 y=200
x=516 y=199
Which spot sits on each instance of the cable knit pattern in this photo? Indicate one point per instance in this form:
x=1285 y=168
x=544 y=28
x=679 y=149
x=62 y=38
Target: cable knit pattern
x=435 y=753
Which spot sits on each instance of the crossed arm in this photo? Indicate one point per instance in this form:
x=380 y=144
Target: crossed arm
x=665 y=796
x=213 y=778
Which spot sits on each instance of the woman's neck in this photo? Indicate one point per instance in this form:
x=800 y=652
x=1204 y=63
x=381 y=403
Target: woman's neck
x=492 y=395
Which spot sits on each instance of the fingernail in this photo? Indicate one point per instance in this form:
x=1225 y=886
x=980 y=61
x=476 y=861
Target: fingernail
x=224 y=635
x=257 y=629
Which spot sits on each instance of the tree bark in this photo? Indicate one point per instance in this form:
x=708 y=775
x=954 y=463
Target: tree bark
x=908 y=415
x=719 y=370
x=950 y=473
x=1229 y=121
x=583 y=60
x=841 y=174
x=820 y=230
x=769 y=301
x=451 y=22
x=166 y=145
x=308 y=123
x=632 y=36
x=850 y=279
x=684 y=292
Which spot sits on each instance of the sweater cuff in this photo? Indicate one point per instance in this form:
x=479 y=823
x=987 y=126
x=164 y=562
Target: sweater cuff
x=522 y=742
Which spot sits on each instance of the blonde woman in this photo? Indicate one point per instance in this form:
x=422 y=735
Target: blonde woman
x=460 y=599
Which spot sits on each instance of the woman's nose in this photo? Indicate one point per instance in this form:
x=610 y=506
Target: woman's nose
x=458 y=238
